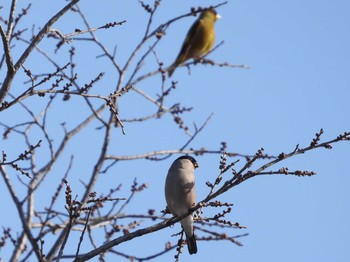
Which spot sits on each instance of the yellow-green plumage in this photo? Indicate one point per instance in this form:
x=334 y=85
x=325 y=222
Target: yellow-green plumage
x=199 y=40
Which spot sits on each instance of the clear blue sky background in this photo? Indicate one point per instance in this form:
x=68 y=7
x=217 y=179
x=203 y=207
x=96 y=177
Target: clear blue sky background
x=299 y=80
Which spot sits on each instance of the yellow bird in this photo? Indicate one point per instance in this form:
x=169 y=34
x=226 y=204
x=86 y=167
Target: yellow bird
x=199 y=40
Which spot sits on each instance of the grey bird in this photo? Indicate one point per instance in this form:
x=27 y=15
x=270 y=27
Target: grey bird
x=180 y=195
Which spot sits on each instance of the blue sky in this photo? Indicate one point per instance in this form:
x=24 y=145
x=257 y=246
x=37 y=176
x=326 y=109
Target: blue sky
x=298 y=82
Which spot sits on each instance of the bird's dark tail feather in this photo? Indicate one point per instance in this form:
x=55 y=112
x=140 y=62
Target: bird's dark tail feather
x=171 y=69
x=191 y=244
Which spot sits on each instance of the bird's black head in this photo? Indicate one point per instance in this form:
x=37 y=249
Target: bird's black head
x=193 y=161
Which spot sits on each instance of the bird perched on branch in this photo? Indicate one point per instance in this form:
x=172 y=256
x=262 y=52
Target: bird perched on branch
x=180 y=195
x=199 y=40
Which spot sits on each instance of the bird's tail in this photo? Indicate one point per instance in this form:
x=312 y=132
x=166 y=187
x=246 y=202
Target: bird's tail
x=179 y=60
x=191 y=244
x=172 y=69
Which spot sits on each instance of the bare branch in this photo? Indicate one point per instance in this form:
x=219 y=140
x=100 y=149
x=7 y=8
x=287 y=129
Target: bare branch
x=11 y=73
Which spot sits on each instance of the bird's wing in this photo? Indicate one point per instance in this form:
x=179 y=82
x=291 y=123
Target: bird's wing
x=190 y=38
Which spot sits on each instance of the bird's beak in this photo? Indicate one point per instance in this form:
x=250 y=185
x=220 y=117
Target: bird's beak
x=196 y=165
x=218 y=16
